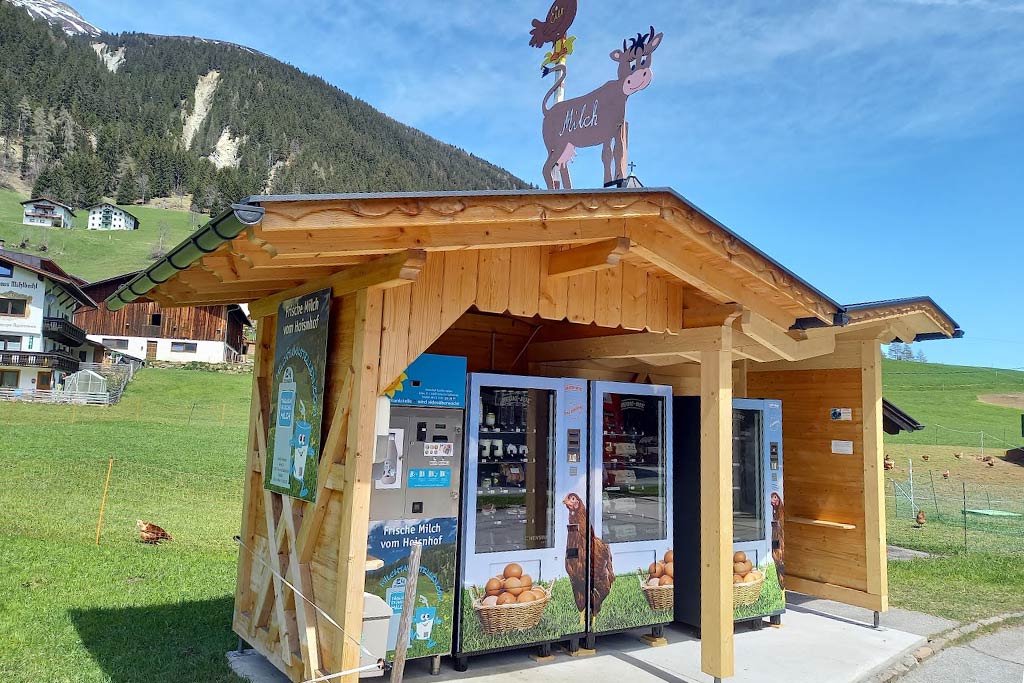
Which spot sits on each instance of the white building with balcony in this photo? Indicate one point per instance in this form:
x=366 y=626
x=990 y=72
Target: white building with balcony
x=39 y=343
x=106 y=216
x=47 y=213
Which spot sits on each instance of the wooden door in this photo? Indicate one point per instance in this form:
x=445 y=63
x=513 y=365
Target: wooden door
x=150 y=349
x=44 y=381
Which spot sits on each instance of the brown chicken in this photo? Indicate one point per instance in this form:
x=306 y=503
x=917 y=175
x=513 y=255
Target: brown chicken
x=601 y=573
x=151 y=533
x=556 y=25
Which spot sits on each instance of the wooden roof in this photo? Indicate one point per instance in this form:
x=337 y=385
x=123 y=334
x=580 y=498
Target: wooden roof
x=588 y=256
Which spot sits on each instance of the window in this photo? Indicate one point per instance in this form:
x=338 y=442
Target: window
x=6 y=270
x=82 y=355
x=13 y=306
x=9 y=343
x=9 y=379
x=184 y=347
x=115 y=343
x=156 y=319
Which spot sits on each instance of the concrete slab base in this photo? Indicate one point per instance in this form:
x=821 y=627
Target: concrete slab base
x=811 y=647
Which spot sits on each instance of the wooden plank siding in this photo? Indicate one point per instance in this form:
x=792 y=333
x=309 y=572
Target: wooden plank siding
x=198 y=323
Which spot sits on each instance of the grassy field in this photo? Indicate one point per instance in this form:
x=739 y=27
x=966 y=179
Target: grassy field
x=94 y=254
x=947 y=395
x=123 y=611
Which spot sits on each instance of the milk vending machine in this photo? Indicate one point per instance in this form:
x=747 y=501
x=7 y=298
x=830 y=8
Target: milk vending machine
x=758 y=570
x=415 y=497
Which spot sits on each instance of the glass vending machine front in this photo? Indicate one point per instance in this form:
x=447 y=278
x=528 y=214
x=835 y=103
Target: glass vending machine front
x=747 y=476
x=631 y=503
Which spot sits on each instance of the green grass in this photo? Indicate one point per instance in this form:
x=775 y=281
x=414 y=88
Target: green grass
x=770 y=600
x=626 y=607
x=94 y=254
x=123 y=611
x=947 y=395
x=960 y=587
x=560 y=617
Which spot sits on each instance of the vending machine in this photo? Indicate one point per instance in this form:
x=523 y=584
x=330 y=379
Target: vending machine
x=415 y=497
x=525 y=465
x=631 y=556
x=758 y=569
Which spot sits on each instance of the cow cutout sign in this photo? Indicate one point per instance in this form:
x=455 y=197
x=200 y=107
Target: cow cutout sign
x=599 y=117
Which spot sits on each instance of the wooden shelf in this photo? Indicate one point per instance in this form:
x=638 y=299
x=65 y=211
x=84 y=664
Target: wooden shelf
x=373 y=563
x=821 y=522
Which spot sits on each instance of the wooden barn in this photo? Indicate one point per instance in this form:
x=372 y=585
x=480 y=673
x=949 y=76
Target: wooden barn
x=145 y=329
x=627 y=285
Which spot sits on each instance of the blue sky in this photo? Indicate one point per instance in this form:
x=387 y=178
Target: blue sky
x=875 y=147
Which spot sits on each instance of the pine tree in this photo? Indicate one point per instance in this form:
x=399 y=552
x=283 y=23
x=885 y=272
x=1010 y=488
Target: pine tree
x=127 y=190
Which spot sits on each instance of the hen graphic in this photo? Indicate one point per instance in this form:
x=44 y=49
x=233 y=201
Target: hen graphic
x=601 y=573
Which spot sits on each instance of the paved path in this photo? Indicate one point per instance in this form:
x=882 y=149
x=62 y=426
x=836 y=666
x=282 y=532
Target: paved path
x=994 y=658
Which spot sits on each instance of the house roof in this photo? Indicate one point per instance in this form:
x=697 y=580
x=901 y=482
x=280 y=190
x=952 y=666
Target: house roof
x=870 y=311
x=48 y=268
x=115 y=206
x=52 y=201
x=299 y=238
x=895 y=420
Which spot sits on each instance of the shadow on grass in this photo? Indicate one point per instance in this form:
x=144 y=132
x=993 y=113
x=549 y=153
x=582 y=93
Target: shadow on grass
x=183 y=641
x=1015 y=457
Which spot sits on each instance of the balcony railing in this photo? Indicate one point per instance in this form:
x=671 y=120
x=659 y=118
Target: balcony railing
x=36 y=359
x=63 y=331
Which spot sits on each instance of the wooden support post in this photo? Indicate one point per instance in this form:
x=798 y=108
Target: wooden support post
x=355 y=501
x=874 y=491
x=716 y=614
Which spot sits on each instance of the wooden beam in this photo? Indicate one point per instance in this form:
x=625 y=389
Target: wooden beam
x=716 y=614
x=587 y=258
x=667 y=250
x=831 y=591
x=639 y=345
x=776 y=339
x=384 y=272
x=874 y=486
x=355 y=501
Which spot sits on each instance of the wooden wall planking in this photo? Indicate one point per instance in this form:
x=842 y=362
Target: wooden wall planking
x=819 y=484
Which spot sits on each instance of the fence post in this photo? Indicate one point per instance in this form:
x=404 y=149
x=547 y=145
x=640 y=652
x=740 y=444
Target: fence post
x=190 y=414
x=913 y=503
x=103 y=500
x=931 y=475
x=408 y=605
x=965 y=515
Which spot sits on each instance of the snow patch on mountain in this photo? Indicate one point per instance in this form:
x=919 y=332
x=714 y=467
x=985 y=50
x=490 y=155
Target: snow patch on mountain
x=58 y=14
x=225 y=153
x=205 y=88
x=112 y=60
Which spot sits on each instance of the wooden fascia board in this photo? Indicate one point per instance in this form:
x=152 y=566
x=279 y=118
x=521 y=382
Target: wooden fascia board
x=640 y=345
x=417 y=212
x=778 y=341
x=671 y=253
x=587 y=258
x=384 y=272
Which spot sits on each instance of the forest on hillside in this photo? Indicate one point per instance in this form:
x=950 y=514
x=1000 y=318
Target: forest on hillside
x=77 y=131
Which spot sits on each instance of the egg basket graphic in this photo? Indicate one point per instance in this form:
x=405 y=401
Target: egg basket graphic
x=747 y=593
x=513 y=616
x=658 y=597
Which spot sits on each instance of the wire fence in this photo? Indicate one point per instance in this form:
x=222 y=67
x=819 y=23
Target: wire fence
x=931 y=512
x=980 y=439
x=63 y=501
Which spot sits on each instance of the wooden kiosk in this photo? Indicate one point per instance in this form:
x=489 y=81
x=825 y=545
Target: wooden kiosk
x=634 y=285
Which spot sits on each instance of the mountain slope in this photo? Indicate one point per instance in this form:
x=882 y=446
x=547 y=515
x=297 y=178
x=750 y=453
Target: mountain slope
x=137 y=116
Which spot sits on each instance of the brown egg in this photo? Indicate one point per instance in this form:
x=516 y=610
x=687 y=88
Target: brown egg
x=736 y=578
x=666 y=580
x=749 y=565
x=490 y=601
x=526 y=581
x=745 y=578
x=656 y=570
x=669 y=571
x=514 y=586
x=493 y=586
x=669 y=556
x=506 y=599
x=739 y=556
x=526 y=596
x=540 y=593
x=513 y=570
x=739 y=567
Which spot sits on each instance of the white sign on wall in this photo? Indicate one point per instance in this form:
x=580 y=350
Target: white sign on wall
x=842 y=447
x=23 y=285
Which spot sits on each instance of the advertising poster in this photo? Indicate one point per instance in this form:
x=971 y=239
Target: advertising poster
x=296 y=399
x=390 y=541
x=431 y=381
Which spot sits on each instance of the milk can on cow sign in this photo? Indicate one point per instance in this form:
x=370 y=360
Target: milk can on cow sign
x=296 y=401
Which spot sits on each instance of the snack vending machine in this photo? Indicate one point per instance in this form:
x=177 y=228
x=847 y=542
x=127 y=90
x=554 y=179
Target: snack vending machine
x=631 y=555
x=758 y=569
x=525 y=466
x=415 y=497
